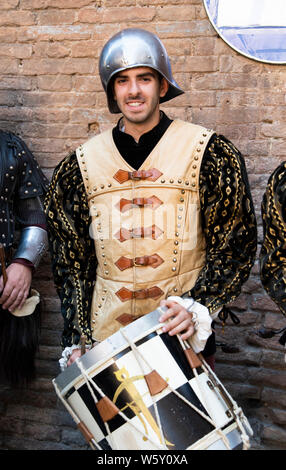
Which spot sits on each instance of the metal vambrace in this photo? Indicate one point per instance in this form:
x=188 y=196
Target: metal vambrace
x=33 y=244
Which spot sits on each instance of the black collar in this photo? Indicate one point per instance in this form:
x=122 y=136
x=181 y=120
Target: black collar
x=136 y=152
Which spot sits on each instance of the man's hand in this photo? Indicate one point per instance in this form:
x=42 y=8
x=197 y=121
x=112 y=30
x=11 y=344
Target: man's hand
x=178 y=319
x=73 y=357
x=17 y=287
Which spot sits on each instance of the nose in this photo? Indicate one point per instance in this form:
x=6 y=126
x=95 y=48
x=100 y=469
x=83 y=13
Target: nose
x=134 y=87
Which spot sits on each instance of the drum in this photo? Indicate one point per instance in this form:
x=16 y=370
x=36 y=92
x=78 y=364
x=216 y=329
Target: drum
x=142 y=389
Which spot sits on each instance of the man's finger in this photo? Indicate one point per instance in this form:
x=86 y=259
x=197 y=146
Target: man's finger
x=18 y=302
x=172 y=311
x=24 y=298
x=7 y=293
x=186 y=335
x=178 y=327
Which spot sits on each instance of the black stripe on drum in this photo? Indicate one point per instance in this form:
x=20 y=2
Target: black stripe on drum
x=138 y=343
x=228 y=424
x=88 y=400
x=146 y=338
x=121 y=354
x=173 y=345
x=182 y=425
x=104 y=445
x=187 y=391
x=106 y=380
x=70 y=392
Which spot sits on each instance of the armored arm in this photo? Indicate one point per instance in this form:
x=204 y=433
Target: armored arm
x=33 y=244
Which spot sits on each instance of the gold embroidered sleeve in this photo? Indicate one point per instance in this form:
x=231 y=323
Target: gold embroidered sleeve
x=229 y=224
x=72 y=249
x=273 y=250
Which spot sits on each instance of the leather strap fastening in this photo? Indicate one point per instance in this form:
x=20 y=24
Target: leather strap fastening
x=126 y=204
x=192 y=358
x=126 y=318
x=122 y=176
x=107 y=409
x=139 y=232
x=125 y=294
x=155 y=382
x=153 y=260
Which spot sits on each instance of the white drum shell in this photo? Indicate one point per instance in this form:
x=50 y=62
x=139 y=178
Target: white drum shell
x=182 y=426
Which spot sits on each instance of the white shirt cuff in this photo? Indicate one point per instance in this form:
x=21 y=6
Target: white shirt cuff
x=202 y=322
x=67 y=353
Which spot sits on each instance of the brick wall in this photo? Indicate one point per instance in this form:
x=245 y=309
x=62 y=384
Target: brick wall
x=50 y=94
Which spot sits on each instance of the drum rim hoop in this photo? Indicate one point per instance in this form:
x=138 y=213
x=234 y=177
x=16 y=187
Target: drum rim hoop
x=104 y=351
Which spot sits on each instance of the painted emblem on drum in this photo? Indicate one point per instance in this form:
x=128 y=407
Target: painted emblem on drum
x=137 y=405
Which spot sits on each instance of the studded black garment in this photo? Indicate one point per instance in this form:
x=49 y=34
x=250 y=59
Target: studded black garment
x=228 y=220
x=21 y=183
x=273 y=250
x=22 y=186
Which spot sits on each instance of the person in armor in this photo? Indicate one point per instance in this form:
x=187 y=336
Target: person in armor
x=23 y=241
x=273 y=249
x=152 y=212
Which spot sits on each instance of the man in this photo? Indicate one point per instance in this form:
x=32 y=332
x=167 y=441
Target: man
x=151 y=212
x=273 y=250
x=22 y=188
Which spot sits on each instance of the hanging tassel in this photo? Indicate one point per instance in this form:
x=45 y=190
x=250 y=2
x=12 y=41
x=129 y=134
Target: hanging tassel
x=19 y=343
x=224 y=314
x=19 y=340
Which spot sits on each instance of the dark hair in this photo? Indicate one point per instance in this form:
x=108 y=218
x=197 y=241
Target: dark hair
x=19 y=342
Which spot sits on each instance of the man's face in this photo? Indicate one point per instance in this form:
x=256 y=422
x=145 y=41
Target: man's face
x=137 y=92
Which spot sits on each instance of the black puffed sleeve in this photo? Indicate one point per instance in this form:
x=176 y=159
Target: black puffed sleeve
x=273 y=250
x=229 y=224
x=72 y=249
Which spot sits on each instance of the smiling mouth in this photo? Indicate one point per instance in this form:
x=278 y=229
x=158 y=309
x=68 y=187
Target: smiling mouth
x=134 y=104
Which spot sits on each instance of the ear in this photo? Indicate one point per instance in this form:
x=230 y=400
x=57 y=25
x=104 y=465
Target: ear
x=164 y=86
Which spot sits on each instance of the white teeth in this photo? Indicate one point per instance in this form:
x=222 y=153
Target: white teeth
x=134 y=104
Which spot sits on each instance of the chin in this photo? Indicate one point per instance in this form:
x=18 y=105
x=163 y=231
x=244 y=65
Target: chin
x=137 y=117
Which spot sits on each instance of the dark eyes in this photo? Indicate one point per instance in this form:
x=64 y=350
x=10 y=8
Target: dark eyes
x=142 y=79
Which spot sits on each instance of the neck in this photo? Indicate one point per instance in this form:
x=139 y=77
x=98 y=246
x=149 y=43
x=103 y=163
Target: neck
x=136 y=129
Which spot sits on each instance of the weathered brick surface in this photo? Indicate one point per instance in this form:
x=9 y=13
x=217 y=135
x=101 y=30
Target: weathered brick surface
x=51 y=95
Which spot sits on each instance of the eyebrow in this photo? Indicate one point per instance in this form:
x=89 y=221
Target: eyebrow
x=144 y=74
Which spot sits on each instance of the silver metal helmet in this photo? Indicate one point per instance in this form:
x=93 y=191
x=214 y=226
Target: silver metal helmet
x=135 y=48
